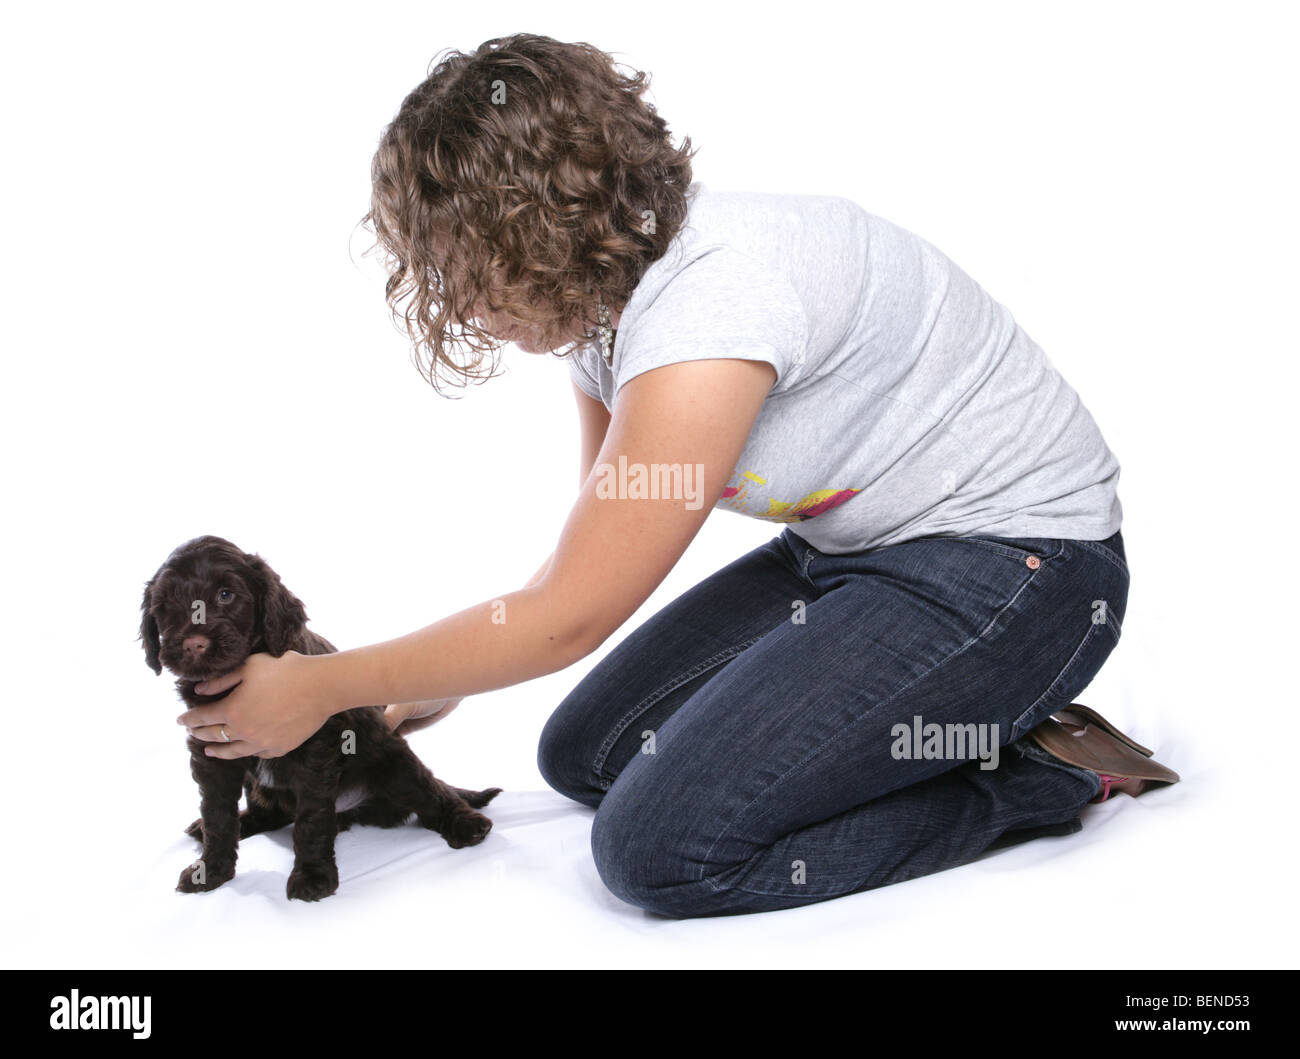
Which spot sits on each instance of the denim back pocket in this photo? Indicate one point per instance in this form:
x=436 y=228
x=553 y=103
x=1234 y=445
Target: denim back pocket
x=1093 y=649
x=1022 y=548
x=1101 y=548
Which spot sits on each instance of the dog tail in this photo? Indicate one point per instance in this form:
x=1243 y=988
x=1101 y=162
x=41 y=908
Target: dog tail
x=478 y=799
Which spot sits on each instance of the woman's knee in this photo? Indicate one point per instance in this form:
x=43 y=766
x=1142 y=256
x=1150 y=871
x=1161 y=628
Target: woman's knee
x=566 y=761
x=647 y=853
x=633 y=860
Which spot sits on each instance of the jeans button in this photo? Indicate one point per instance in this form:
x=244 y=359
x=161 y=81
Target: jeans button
x=1033 y=562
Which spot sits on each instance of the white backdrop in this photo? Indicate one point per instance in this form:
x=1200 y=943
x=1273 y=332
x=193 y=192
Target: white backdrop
x=194 y=344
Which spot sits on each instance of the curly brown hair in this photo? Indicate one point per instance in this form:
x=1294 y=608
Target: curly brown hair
x=528 y=178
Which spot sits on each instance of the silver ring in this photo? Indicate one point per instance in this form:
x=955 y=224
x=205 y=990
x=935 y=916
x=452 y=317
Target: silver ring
x=224 y=734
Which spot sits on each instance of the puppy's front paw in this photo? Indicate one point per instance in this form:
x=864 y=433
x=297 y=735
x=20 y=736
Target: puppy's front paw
x=466 y=829
x=199 y=878
x=311 y=883
x=195 y=830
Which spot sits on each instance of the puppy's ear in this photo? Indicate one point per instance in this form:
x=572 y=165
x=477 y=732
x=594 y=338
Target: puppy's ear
x=149 y=631
x=280 y=614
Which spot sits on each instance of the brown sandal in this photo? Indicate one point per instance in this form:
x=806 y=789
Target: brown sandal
x=1082 y=737
x=1090 y=716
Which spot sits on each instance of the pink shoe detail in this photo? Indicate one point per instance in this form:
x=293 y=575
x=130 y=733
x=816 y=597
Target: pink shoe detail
x=1106 y=781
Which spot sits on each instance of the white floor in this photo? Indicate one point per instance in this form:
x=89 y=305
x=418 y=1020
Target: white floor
x=1184 y=869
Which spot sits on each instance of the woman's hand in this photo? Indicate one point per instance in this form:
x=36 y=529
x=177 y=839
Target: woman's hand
x=277 y=707
x=407 y=717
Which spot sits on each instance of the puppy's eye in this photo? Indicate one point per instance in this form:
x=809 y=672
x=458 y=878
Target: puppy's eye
x=225 y=595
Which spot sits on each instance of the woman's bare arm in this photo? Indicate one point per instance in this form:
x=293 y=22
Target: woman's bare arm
x=612 y=553
x=593 y=418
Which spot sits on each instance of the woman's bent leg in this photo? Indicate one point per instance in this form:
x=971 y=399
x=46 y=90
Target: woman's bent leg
x=809 y=766
x=602 y=724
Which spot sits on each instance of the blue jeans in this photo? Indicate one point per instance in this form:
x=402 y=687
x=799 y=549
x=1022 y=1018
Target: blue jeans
x=764 y=741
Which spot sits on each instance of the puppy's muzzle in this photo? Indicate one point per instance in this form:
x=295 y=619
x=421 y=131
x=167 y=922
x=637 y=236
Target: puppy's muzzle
x=194 y=648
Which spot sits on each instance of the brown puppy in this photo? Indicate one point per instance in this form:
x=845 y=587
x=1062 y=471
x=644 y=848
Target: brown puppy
x=210 y=606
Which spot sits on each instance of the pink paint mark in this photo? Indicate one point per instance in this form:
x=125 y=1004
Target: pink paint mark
x=834 y=500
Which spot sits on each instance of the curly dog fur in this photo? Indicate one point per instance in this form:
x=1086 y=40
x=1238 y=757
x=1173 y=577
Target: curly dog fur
x=353 y=770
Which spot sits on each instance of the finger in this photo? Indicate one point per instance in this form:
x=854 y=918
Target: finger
x=239 y=748
x=213 y=733
x=396 y=714
x=201 y=716
x=219 y=684
x=414 y=724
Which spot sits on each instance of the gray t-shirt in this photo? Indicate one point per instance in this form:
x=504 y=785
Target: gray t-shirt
x=908 y=403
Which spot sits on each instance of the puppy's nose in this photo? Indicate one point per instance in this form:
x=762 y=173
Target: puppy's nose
x=194 y=646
